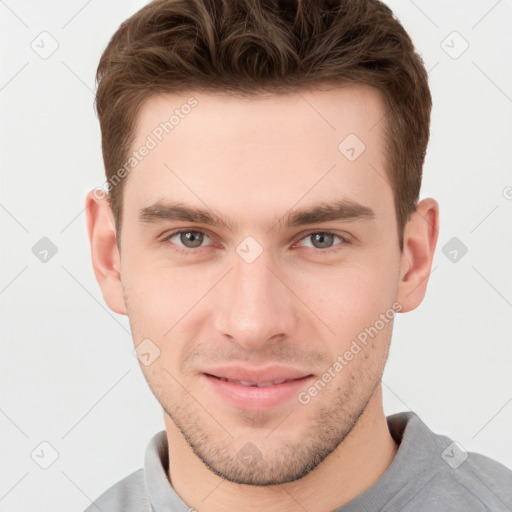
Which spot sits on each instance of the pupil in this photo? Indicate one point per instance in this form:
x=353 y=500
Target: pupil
x=321 y=237
x=191 y=236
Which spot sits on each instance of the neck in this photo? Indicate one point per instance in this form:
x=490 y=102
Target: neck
x=356 y=464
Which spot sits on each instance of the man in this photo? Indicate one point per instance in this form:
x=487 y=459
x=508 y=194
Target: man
x=262 y=228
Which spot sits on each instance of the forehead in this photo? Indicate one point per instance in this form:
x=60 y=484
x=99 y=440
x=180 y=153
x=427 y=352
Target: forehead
x=249 y=153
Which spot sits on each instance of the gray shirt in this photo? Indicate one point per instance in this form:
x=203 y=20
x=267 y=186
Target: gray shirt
x=429 y=473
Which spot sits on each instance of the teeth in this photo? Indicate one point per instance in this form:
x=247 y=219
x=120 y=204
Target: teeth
x=254 y=384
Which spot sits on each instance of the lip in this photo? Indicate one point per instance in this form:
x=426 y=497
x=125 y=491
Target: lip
x=287 y=384
x=258 y=375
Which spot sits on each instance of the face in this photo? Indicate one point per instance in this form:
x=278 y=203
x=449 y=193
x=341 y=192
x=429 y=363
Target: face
x=268 y=327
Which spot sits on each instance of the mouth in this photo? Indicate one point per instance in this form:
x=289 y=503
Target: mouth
x=256 y=390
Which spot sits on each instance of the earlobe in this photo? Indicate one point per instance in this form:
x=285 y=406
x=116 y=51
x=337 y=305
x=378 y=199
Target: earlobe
x=104 y=251
x=420 y=241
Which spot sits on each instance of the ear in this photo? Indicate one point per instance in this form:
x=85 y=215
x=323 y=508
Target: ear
x=106 y=260
x=420 y=239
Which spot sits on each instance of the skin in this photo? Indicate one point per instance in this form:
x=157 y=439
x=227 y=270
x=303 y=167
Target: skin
x=252 y=161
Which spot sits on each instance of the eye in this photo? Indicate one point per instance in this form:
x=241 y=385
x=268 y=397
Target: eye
x=323 y=241
x=189 y=240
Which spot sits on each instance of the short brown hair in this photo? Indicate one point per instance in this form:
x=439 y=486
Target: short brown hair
x=266 y=46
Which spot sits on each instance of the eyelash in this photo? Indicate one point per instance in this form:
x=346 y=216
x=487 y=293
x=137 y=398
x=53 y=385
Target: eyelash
x=185 y=251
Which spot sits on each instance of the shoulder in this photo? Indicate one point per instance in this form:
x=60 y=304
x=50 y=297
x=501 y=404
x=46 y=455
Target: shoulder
x=479 y=484
x=453 y=478
x=488 y=481
x=127 y=495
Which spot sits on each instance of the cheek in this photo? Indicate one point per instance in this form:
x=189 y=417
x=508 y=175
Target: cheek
x=349 y=298
x=158 y=294
x=165 y=307
x=350 y=301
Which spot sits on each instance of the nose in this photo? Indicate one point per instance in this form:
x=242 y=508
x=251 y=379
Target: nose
x=255 y=306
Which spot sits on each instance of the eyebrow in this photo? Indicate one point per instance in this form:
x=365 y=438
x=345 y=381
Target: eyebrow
x=340 y=210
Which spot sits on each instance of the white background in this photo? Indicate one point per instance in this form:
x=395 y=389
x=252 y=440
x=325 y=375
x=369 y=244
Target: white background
x=68 y=374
